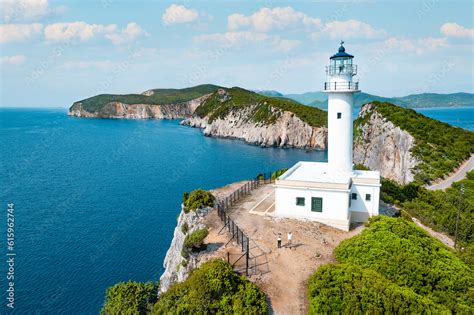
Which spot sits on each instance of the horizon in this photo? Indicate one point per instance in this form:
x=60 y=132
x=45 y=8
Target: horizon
x=62 y=52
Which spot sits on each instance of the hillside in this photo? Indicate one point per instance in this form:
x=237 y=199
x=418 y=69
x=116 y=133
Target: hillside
x=319 y=99
x=392 y=267
x=151 y=97
x=407 y=146
x=266 y=121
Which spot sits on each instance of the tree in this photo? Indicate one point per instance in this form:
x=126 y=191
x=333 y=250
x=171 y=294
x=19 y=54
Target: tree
x=129 y=298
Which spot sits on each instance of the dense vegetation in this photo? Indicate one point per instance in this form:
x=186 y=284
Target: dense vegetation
x=392 y=267
x=439 y=146
x=195 y=240
x=197 y=199
x=262 y=109
x=438 y=209
x=213 y=288
x=129 y=298
x=160 y=96
x=347 y=288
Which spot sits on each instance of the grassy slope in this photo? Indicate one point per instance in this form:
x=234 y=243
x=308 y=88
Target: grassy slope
x=393 y=266
x=267 y=109
x=440 y=146
x=161 y=96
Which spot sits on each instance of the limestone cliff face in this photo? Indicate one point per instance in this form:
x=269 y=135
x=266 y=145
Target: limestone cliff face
x=382 y=146
x=175 y=269
x=140 y=111
x=287 y=131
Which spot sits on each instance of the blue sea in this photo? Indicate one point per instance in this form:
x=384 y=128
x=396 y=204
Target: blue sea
x=96 y=201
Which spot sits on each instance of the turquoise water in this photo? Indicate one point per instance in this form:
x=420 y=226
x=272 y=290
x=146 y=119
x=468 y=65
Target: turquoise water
x=96 y=200
x=458 y=116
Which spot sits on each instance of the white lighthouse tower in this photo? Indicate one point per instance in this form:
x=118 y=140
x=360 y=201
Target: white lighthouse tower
x=332 y=193
x=340 y=88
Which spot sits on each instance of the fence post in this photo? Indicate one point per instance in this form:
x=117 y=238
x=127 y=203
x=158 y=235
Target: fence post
x=247 y=259
x=228 y=257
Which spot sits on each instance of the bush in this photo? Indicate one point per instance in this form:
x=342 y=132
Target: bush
x=198 y=199
x=278 y=173
x=195 y=240
x=185 y=228
x=407 y=256
x=213 y=288
x=350 y=289
x=129 y=298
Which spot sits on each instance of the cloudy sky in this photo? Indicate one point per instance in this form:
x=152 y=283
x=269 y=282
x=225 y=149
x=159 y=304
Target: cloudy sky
x=53 y=53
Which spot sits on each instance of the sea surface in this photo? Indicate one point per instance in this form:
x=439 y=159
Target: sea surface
x=96 y=200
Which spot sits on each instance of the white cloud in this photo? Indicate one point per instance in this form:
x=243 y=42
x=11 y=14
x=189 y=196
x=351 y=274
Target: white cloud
x=26 y=10
x=76 y=30
x=87 y=64
x=349 y=29
x=286 y=45
x=267 y=19
x=126 y=35
x=175 y=14
x=237 y=39
x=83 y=31
x=18 y=32
x=13 y=60
x=456 y=30
x=419 y=46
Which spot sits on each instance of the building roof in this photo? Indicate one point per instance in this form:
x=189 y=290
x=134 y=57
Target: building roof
x=341 y=53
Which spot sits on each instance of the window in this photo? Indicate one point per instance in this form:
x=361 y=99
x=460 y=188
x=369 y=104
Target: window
x=300 y=201
x=354 y=196
x=367 y=197
x=316 y=204
x=339 y=115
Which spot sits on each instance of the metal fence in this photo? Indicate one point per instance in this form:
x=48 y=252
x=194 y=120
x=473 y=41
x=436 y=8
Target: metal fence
x=235 y=232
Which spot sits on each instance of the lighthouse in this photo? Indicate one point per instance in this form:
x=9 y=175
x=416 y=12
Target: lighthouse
x=332 y=193
x=340 y=88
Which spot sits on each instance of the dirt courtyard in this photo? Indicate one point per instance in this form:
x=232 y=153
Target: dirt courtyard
x=281 y=273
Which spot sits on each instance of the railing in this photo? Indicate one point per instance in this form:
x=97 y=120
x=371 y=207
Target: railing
x=235 y=232
x=341 y=69
x=341 y=86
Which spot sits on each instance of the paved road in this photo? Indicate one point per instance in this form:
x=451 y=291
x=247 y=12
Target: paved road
x=460 y=174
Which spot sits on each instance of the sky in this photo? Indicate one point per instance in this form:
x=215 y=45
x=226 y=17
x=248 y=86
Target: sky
x=53 y=53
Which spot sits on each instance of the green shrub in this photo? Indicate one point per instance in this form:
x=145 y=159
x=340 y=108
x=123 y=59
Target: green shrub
x=195 y=240
x=198 y=199
x=129 y=298
x=185 y=228
x=213 y=288
x=278 y=173
x=350 y=289
x=394 y=193
x=407 y=256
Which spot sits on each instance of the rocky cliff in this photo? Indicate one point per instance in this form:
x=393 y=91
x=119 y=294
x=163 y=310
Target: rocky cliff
x=382 y=146
x=139 y=111
x=283 y=128
x=176 y=267
x=287 y=131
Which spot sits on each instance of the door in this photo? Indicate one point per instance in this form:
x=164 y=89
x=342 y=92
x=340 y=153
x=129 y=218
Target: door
x=316 y=204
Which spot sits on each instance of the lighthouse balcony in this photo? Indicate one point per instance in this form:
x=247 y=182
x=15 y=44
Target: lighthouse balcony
x=341 y=86
x=341 y=69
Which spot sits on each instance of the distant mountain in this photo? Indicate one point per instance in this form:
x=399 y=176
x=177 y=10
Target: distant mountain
x=269 y=93
x=319 y=99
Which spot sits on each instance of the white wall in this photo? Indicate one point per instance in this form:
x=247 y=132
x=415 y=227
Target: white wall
x=361 y=207
x=335 y=205
x=340 y=131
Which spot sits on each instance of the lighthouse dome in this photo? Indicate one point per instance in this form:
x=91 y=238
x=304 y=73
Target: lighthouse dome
x=341 y=53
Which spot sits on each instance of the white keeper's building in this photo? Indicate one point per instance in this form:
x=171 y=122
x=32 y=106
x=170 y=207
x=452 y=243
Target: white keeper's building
x=332 y=193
